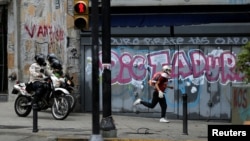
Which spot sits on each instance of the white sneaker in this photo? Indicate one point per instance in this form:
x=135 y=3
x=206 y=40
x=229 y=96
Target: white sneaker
x=138 y=101
x=164 y=120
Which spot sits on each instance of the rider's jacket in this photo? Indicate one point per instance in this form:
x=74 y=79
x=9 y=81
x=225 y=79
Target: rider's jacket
x=36 y=71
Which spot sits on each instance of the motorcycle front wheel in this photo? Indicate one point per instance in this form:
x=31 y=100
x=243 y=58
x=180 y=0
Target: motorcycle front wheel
x=60 y=108
x=23 y=105
x=72 y=101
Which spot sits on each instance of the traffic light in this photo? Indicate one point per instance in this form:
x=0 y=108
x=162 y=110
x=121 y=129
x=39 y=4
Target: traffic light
x=81 y=14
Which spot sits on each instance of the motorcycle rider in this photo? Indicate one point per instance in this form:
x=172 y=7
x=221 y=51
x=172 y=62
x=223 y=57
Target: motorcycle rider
x=37 y=72
x=54 y=65
x=57 y=71
x=55 y=68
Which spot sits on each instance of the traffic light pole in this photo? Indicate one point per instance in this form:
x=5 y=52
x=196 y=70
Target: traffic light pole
x=95 y=75
x=107 y=124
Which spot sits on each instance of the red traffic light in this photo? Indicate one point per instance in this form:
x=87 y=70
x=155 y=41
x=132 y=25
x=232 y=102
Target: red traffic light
x=81 y=14
x=80 y=8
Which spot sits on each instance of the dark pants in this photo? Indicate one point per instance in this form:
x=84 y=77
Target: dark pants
x=40 y=89
x=155 y=100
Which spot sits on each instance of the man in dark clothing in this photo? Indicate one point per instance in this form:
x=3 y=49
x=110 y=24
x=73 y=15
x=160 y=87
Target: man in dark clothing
x=158 y=94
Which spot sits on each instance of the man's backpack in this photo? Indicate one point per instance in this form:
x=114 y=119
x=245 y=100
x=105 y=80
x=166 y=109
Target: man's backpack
x=154 y=79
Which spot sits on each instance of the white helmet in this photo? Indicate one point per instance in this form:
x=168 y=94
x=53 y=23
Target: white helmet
x=167 y=69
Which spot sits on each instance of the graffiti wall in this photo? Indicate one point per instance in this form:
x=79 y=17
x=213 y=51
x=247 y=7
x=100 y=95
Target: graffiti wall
x=202 y=67
x=240 y=104
x=43 y=30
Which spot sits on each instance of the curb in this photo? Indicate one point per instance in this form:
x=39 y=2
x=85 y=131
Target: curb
x=105 y=139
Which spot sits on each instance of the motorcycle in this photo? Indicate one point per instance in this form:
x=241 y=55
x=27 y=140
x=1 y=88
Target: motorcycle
x=54 y=98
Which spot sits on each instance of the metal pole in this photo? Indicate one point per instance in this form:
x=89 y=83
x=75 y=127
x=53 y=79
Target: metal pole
x=35 y=107
x=95 y=75
x=184 y=98
x=107 y=125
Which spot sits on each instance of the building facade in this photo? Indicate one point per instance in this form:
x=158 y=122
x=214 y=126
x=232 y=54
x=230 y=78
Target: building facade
x=201 y=48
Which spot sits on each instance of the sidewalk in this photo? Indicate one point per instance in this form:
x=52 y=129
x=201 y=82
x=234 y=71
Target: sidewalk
x=78 y=127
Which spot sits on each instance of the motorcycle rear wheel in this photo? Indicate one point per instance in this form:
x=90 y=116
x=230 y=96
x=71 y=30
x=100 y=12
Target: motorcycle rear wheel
x=23 y=106
x=61 y=108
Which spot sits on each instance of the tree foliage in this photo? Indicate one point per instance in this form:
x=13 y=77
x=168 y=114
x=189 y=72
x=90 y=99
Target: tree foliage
x=243 y=62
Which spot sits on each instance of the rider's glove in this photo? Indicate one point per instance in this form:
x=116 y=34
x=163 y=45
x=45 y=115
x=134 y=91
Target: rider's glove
x=161 y=94
x=41 y=70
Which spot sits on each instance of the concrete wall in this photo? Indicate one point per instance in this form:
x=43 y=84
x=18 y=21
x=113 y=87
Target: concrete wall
x=41 y=27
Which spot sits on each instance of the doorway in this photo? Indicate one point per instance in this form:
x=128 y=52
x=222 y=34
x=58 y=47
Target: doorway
x=3 y=51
